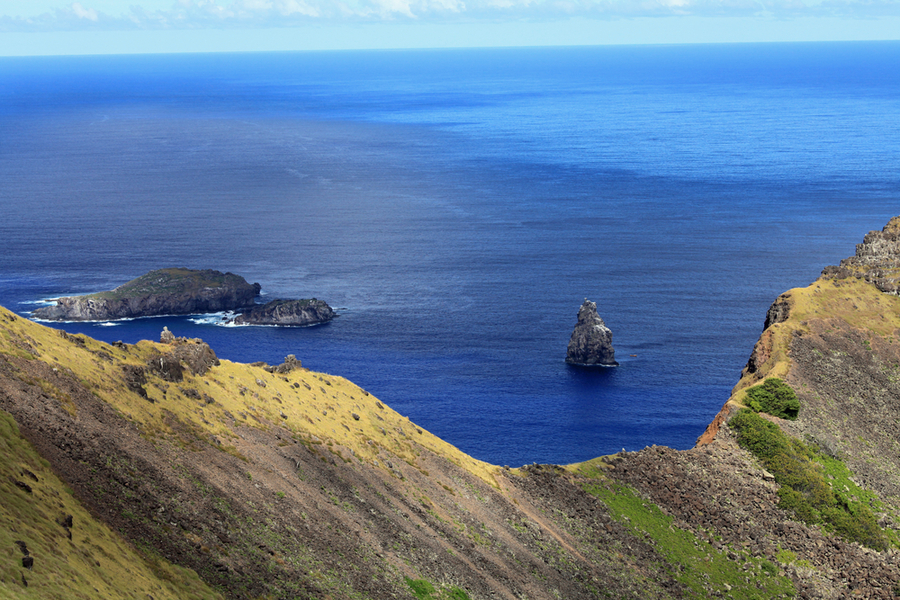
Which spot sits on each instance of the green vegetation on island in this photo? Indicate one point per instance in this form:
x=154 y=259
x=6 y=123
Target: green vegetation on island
x=184 y=292
x=171 y=281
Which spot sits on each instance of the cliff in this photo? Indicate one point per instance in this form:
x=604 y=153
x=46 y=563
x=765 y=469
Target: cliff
x=162 y=292
x=877 y=260
x=189 y=476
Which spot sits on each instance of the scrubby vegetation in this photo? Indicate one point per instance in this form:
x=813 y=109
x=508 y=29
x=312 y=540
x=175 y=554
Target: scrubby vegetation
x=424 y=590
x=171 y=281
x=704 y=570
x=807 y=479
x=774 y=397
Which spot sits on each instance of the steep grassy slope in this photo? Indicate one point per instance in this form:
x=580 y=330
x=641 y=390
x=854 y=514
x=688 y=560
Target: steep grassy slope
x=837 y=343
x=69 y=554
x=840 y=350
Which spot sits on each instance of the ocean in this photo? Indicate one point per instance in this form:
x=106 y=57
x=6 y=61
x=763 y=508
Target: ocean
x=457 y=206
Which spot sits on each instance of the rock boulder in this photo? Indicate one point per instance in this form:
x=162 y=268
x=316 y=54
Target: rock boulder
x=877 y=260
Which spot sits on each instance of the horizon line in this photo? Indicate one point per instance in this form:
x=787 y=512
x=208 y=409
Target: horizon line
x=450 y=47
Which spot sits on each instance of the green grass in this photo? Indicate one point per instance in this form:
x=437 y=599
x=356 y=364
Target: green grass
x=422 y=589
x=704 y=570
x=774 y=397
x=815 y=487
x=169 y=281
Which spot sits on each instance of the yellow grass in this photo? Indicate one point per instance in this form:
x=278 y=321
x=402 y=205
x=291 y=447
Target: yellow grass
x=95 y=564
x=861 y=305
x=314 y=407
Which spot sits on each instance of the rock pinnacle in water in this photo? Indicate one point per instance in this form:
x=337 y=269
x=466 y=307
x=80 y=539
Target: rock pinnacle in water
x=591 y=341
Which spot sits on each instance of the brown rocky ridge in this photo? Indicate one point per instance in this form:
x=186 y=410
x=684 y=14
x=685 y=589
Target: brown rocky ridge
x=194 y=477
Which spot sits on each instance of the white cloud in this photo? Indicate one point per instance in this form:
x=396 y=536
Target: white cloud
x=206 y=14
x=288 y=8
x=84 y=13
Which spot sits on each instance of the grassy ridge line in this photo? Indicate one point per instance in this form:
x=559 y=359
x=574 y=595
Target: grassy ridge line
x=854 y=301
x=808 y=477
x=317 y=408
x=211 y=412
x=95 y=563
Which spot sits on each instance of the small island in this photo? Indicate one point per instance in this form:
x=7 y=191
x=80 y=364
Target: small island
x=591 y=341
x=294 y=313
x=182 y=291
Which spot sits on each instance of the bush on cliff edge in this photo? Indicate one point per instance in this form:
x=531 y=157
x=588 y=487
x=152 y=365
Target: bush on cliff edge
x=801 y=472
x=774 y=397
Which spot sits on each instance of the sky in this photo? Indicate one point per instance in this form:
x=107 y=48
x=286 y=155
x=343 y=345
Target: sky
x=50 y=27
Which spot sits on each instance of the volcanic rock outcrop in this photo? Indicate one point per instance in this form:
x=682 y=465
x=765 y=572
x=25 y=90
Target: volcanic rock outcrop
x=877 y=260
x=591 y=341
x=161 y=292
x=294 y=313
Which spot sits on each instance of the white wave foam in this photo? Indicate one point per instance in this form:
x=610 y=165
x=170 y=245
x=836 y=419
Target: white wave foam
x=218 y=318
x=45 y=302
x=111 y=323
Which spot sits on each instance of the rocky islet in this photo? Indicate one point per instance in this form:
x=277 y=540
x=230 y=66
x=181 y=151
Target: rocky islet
x=591 y=341
x=294 y=313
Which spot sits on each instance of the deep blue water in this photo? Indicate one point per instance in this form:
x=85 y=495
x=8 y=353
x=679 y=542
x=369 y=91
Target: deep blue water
x=457 y=206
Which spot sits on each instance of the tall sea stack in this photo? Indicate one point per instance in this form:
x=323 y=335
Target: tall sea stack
x=591 y=341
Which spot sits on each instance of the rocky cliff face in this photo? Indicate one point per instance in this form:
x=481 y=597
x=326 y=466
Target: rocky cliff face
x=877 y=260
x=591 y=341
x=162 y=292
x=290 y=313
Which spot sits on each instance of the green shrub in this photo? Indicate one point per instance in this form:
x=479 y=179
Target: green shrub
x=775 y=397
x=421 y=588
x=457 y=594
x=805 y=491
